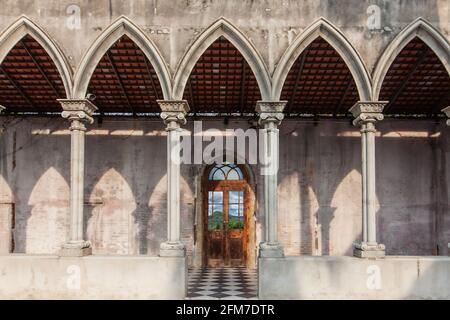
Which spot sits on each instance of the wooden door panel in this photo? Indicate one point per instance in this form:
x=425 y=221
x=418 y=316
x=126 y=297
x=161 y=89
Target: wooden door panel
x=236 y=248
x=226 y=241
x=215 y=248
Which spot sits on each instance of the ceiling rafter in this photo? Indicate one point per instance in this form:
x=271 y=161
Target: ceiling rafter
x=19 y=89
x=422 y=55
x=38 y=66
x=147 y=67
x=119 y=80
x=242 y=91
x=297 y=80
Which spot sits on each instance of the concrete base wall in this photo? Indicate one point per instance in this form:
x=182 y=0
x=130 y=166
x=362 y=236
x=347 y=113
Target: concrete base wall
x=353 y=278
x=93 y=277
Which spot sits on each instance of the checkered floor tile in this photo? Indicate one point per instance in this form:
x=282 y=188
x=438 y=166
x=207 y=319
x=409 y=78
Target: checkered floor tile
x=222 y=283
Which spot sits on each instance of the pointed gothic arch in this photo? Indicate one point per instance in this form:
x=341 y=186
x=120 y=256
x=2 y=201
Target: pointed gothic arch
x=324 y=29
x=122 y=26
x=421 y=29
x=223 y=28
x=23 y=27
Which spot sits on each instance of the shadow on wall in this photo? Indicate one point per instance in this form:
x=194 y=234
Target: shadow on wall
x=325 y=162
x=413 y=188
x=322 y=169
x=157 y=222
x=319 y=188
x=6 y=217
x=111 y=227
x=47 y=224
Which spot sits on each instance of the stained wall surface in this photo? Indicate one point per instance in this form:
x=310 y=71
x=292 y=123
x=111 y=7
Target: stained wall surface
x=319 y=188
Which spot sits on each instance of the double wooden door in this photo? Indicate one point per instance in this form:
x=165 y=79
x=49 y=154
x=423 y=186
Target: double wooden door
x=226 y=223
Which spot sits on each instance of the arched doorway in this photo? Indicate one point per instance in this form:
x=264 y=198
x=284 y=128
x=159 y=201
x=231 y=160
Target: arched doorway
x=227 y=215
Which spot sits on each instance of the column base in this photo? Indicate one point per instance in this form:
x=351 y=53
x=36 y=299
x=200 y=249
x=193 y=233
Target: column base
x=369 y=251
x=76 y=249
x=271 y=250
x=172 y=249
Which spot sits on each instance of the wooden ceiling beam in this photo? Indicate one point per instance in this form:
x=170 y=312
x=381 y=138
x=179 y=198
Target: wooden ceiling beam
x=119 y=80
x=422 y=55
x=18 y=87
x=38 y=66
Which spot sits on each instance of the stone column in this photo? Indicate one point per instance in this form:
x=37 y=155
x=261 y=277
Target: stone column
x=78 y=112
x=366 y=115
x=174 y=115
x=270 y=116
x=446 y=111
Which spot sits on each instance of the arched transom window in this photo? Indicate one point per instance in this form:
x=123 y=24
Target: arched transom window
x=225 y=172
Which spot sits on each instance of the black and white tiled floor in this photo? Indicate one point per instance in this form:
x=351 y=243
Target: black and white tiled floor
x=222 y=283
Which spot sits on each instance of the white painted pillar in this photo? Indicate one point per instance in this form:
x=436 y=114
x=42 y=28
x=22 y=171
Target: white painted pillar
x=270 y=116
x=366 y=115
x=78 y=112
x=174 y=115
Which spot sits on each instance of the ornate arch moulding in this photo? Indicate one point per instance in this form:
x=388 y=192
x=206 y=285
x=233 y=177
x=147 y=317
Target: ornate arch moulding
x=222 y=27
x=325 y=29
x=418 y=28
x=24 y=26
x=122 y=26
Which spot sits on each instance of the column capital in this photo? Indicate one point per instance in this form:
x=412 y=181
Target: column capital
x=173 y=111
x=445 y=110
x=371 y=251
x=367 y=112
x=270 y=111
x=79 y=110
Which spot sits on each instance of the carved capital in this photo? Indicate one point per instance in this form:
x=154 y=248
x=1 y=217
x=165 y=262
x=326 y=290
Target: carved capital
x=447 y=113
x=367 y=112
x=369 y=250
x=369 y=247
x=78 y=111
x=270 y=111
x=173 y=111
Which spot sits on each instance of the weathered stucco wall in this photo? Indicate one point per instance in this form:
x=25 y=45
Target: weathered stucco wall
x=94 y=277
x=319 y=186
x=353 y=278
x=174 y=25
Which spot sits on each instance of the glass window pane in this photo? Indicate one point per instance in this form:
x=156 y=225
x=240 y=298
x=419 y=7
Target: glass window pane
x=233 y=175
x=215 y=220
x=241 y=175
x=236 y=216
x=233 y=210
x=216 y=197
x=219 y=175
x=225 y=169
x=233 y=196
x=218 y=208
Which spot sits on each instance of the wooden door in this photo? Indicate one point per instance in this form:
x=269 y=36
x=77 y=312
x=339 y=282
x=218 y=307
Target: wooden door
x=226 y=222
